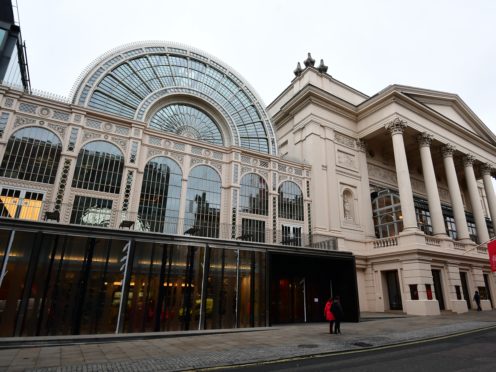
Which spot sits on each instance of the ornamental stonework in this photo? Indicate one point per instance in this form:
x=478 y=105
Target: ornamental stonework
x=20 y=120
x=9 y=102
x=87 y=135
x=122 y=142
x=153 y=152
x=58 y=128
x=382 y=174
x=487 y=169
x=361 y=145
x=178 y=157
x=396 y=126
x=468 y=160
x=448 y=150
x=344 y=140
x=424 y=139
x=346 y=160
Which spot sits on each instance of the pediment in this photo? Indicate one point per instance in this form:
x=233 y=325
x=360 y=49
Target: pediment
x=453 y=108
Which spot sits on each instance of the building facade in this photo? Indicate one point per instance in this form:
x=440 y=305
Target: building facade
x=155 y=200
x=406 y=176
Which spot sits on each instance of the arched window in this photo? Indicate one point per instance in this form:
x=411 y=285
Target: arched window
x=160 y=195
x=388 y=220
x=254 y=195
x=99 y=167
x=290 y=201
x=203 y=202
x=32 y=154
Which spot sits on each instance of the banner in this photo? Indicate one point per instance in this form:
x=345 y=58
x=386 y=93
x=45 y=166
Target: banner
x=491 y=249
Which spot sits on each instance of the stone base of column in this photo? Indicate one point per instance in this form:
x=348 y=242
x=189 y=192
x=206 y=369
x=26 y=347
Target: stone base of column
x=422 y=307
x=458 y=306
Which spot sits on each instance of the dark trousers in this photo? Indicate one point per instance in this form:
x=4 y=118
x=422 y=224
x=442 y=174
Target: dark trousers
x=337 y=326
x=331 y=323
x=478 y=306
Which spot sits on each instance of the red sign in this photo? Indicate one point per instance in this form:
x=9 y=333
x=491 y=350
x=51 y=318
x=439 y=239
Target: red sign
x=491 y=249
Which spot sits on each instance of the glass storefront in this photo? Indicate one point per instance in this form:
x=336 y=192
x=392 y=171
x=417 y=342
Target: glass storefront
x=65 y=284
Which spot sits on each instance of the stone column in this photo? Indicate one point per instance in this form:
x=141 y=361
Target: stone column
x=475 y=200
x=396 y=128
x=491 y=197
x=455 y=194
x=366 y=203
x=438 y=228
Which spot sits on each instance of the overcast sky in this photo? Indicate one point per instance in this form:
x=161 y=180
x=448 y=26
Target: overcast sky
x=442 y=45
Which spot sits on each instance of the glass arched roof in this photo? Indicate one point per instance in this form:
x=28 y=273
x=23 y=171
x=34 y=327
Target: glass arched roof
x=128 y=80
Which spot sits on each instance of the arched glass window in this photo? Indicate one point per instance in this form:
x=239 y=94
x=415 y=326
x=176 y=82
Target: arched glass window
x=290 y=201
x=187 y=121
x=254 y=195
x=32 y=154
x=99 y=167
x=203 y=202
x=388 y=220
x=160 y=195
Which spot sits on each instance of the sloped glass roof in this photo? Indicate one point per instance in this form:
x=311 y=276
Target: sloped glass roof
x=126 y=83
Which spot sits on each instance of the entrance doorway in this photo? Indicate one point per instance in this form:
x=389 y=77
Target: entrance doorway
x=488 y=289
x=438 y=288
x=301 y=284
x=466 y=296
x=393 y=288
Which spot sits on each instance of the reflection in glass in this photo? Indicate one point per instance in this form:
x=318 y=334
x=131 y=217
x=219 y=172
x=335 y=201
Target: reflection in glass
x=254 y=195
x=32 y=154
x=91 y=211
x=290 y=201
x=21 y=204
x=99 y=167
x=388 y=219
x=187 y=121
x=160 y=195
x=203 y=198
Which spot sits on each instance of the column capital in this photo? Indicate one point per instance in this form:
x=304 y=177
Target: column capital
x=487 y=169
x=361 y=145
x=468 y=160
x=396 y=126
x=448 y=150
x=424 y=139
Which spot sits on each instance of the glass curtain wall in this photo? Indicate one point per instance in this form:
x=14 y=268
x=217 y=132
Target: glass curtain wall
x=61 y=285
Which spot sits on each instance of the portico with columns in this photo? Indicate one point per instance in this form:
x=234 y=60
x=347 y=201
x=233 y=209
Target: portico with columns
x=421 y=164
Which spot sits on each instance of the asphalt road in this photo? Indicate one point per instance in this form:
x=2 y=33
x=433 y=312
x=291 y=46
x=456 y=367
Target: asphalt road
x=469 y=352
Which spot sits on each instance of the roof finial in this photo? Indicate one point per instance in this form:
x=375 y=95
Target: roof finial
x=298 y=70
x=309 y=61
x=322 y=68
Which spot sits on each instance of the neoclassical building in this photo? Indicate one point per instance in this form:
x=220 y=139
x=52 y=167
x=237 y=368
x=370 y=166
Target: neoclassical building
x=406 y=178
x=163 y=195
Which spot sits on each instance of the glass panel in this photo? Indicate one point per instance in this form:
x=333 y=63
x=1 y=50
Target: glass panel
x=160 y=196
x=290 y=201
x=99 y=167
x=32 y=154
x=254 y=195
x=91 y=211
x=203 y=202
x=14 y=282
x=253 y=230
x=246 y=261
x=221 y=289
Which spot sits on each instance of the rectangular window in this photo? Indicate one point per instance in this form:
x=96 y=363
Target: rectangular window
x=428 y=291
x=414 y=292
x=134 y=152
x=450 y=227
x=21 y=204
x=252 y=230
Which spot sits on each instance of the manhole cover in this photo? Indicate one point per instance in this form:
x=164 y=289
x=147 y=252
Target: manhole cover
x=362 y=344
x=308 y=346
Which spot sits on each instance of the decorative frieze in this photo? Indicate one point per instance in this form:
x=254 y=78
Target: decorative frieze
x=87 y=135
x=382 y=174
x=120 y=141
x=58 y=128
x=9 y=102
x=154 y=141
x=346 y=160
x=361 y=145
x=178 y=157
x=27 y=107
x=153 y=152
x=95 y=124
x=344 y=140
x=20 y=120
x=61 y=115
x=44 y=111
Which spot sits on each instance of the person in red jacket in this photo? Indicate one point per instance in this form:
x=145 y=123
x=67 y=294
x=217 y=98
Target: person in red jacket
x=328 y=314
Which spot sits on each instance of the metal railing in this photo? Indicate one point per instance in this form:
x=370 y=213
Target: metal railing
x=201 y=226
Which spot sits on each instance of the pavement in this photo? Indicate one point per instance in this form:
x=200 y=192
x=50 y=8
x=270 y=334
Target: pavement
x=204 y=350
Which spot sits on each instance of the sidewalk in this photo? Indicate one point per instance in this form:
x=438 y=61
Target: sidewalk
x=203 y=349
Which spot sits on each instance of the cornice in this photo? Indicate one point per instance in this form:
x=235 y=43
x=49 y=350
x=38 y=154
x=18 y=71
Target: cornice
x=312 y=94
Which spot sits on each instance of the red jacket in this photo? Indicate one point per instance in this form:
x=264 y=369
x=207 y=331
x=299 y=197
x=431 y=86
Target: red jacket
x=327 y=311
